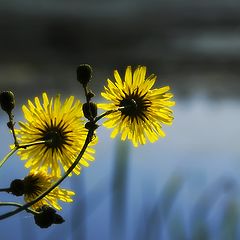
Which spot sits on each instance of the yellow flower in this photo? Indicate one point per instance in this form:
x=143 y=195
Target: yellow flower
x=38 y=182
x=142 y=110
x=61 y=126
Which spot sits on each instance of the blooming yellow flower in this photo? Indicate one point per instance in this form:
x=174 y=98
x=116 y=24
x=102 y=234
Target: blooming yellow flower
x=62 y=127
x=37 y=182
x=142 y=110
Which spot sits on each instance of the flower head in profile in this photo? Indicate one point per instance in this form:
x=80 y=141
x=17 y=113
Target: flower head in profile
x=61 y=128
x=37 y=182
x=142 y=110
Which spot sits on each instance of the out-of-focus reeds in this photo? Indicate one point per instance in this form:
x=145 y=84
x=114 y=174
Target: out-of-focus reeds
x=119 y=193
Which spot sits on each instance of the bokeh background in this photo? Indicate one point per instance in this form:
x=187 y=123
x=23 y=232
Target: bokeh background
x=185 y=186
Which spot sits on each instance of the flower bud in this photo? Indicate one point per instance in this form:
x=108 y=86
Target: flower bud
x=84 y=74
x=7 y=101
x=91 y=126
x=47 y=216
x=17 y=187
x=90 y=110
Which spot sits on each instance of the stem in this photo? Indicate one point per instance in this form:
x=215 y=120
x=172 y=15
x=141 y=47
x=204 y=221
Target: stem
x=17 y=205
x=27 y=205
x=105 y=114
x=8 y=156
x=86 y=91
x=109 y=112
x=11 y=126
x=5 y=190
x=25 y=145
x=17 y=147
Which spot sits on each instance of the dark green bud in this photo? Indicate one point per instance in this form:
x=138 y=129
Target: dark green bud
x=47 y=216
x=90 y=110
x=84 y=74
x=91 y=126
x=7 y=101
x=17 y=187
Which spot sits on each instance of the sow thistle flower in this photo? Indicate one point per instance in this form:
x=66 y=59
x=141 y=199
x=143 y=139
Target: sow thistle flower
x=142 y=110
x=37 y=182
x=61 y=127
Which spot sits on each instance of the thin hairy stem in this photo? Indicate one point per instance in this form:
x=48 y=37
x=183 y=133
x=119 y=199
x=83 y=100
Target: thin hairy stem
x=107 y=113
x=8 y=156
x=11 y=124
x=25 y=145
x=18 y=147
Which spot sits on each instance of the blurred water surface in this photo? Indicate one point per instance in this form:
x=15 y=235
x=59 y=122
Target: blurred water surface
x=185 y=184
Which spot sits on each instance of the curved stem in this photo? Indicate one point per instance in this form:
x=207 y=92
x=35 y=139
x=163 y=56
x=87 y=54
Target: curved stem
x=8 y=156
x=27 y=205
x=17 y=205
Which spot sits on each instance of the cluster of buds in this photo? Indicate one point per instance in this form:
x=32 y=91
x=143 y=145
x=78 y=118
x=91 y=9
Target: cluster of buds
x=84 y=75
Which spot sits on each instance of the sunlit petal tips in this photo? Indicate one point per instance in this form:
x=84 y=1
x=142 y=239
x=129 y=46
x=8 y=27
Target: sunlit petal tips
x=143 y=110
x=62 y=128
x=37 y=182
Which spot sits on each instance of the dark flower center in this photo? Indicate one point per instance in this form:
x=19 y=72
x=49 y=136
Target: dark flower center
x=31 y=185
x=135 y=105
x=56 y=136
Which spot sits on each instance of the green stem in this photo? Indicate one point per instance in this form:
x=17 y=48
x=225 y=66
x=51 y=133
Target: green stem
x=17 y=205
x=18 y=147
x=25 y=145
x=106 y=113
x=27 y=205
x=8 y=156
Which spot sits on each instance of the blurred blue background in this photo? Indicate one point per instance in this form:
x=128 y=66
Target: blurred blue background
x=185 y=186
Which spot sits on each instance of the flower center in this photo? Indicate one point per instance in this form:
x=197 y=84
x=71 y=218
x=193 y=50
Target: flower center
x=135 y=105
x=31 y=185
x=54 y=138
x=130 y=106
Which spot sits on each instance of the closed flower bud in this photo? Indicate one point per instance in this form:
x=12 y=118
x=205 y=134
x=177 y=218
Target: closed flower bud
x=7 y=101
x=91 y=126
x=47 y=216
x=17 y=187
x=84 y=74
x=90 y=110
